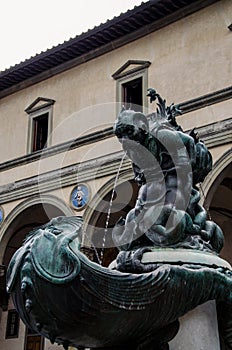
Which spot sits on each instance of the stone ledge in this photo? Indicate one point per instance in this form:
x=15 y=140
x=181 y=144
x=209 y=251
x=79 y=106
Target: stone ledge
x=67 y=176
x=184 y=256
x=214 y=134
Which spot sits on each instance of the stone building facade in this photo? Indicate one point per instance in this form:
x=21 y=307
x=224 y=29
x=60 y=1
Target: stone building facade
x=57 y=110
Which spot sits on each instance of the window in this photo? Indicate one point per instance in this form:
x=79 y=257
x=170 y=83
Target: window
x=40 y=124
x=12 y=328
x=132 y=84
x=40 y=132
x=132 y=94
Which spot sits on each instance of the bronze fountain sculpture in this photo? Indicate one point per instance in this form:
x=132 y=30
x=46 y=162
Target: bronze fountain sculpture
x=136 y=302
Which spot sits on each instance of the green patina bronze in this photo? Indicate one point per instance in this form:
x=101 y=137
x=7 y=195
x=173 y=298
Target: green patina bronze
x=168 y=164
x=136 y=302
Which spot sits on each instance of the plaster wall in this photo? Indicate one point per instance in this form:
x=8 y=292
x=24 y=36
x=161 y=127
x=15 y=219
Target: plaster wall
x=60 y=160
x=62 y=194
x=14 y=343
x=190 y=58
x=8 y=207
x=206 y=116
x=197 y=118
x=217 y=152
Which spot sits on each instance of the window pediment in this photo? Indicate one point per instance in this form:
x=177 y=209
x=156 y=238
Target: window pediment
x=130 y=67
x=39 y=103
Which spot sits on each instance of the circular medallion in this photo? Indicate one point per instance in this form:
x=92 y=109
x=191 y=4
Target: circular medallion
x=1 y=215
x=80 y=196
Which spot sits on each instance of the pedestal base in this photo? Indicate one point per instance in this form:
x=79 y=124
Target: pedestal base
x=198 y=329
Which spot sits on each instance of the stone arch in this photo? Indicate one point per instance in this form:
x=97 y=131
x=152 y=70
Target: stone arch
x=103 y=191
x=19 y=219
x=211 y=182
x=96 y=215
x=218 y=192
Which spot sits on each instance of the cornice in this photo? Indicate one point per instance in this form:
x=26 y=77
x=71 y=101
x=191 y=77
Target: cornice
x=213 y=135
x=67 y=176
x=56 y=149
x=216 y=134
x=210 y=134
x=143 y=20
x=206 y=100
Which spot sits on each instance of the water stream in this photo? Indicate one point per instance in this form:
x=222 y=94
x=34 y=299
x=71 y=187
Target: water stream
x=110 y=207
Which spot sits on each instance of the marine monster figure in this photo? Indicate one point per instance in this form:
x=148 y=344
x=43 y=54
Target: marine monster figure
x=168 y=163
